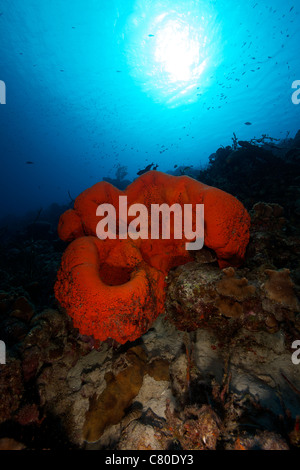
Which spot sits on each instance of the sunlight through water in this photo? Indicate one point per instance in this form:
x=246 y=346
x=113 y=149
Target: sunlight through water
x=172 y=49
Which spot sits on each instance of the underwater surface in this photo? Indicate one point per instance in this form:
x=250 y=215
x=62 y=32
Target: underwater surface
x=137 y=343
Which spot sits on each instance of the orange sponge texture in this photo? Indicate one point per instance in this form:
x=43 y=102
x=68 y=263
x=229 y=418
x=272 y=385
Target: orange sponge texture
x=115 y=288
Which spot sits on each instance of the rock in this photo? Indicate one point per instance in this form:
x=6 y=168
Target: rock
x=11 y=388
x=258 y=362
x=264 y=440
x=154 y=394
x=28 y=414
x=194 y=428
x=178 y=372
x=201 y=428
x=52 y=386
x=54 y=322
x=139 y=436
x=22 y=309
x=89 y=369
x=7 y=443
x=163 y=340
x=208 y=355
x=13 y=331
x=31 y=362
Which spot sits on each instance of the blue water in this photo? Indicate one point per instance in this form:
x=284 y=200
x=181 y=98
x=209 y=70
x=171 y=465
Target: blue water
x=95 y=85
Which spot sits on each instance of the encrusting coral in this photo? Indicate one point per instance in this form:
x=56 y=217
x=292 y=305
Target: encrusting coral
x=233 y=291
x=114 y=288
x=122 y=386
x=262 y=295
x=230 y=286
x=280 y=288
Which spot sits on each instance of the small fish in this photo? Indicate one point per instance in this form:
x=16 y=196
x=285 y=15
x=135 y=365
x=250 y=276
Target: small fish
x=29 y=163
x=248 y=123
x=175 y=166
x=151 y=35
x=148 y=168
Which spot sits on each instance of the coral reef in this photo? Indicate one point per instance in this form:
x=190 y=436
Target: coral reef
x=213 y=372
x=263 y=440
x=259 y=298
x=195 y=428
x=258 y=171
x=115 y=288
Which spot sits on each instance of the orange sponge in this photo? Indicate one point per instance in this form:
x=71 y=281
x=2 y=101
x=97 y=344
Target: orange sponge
x=115 y=288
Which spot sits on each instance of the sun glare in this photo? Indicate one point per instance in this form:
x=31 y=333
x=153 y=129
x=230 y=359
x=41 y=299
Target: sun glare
x=172 y=49
x=178 y=51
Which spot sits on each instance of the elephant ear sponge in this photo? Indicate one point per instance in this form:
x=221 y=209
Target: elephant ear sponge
x=115 y=288
x=109 y=291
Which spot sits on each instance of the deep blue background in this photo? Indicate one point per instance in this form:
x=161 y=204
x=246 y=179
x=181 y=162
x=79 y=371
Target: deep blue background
x=83 y=97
